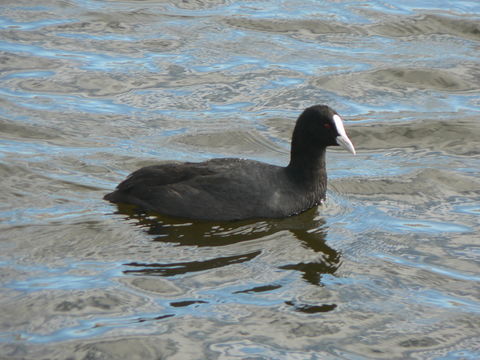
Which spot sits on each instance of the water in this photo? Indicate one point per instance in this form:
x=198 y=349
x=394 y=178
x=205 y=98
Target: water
x=387 y=268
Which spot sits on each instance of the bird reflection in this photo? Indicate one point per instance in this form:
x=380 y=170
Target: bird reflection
x=328 y=262
x=178 y=268
x=309 y=229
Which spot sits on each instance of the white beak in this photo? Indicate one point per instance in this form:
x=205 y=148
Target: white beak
x=345 y=142
x=342 y=138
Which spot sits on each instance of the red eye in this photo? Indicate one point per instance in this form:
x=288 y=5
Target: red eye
x=327 y=126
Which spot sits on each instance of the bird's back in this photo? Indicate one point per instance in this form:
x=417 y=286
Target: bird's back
x=221 y=189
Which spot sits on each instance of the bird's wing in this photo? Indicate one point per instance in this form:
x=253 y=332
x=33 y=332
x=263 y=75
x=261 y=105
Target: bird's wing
x=165 y=174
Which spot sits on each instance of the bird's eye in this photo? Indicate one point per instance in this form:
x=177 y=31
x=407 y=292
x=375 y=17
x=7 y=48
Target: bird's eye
x=327 y=126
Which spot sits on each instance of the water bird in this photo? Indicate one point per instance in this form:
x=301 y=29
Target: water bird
x=227 y=189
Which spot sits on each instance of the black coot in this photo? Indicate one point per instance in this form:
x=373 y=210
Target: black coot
x=234 y=189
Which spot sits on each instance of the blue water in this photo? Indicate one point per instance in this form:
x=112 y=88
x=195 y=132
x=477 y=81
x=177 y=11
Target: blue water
x=387 y=268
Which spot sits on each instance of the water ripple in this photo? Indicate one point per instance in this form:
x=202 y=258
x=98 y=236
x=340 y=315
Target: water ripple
x=92 y=90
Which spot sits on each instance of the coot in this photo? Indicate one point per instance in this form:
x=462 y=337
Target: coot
x=235 y=189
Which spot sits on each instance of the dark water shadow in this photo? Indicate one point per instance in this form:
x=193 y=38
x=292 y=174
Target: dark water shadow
x=307 y=228
x=179 y=268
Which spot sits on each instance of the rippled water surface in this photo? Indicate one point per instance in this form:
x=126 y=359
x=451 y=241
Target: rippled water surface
x=91 y=90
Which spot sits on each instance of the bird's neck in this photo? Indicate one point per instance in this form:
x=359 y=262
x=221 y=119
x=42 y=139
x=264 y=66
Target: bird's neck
x=307 y=166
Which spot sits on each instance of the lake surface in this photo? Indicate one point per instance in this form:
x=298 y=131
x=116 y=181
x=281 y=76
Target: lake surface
x=387 y=268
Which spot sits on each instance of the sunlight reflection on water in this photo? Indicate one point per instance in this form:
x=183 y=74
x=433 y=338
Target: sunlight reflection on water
x=92 y=90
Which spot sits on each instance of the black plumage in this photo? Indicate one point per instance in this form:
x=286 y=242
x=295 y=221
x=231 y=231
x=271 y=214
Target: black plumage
x=234 y=189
